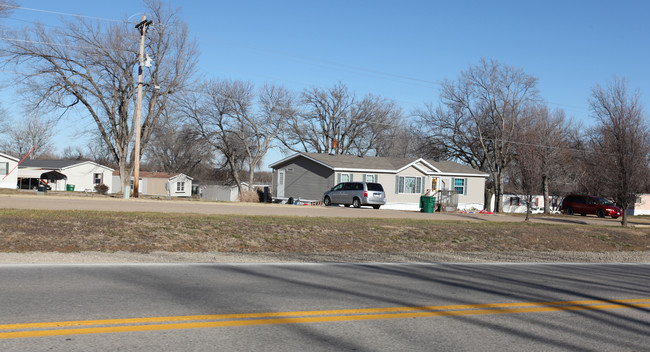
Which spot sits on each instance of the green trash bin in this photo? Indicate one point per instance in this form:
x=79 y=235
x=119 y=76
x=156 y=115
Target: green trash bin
x=427 y=204
x=69 y=187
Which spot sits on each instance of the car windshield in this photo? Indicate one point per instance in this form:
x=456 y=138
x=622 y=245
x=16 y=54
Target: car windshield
x=375 y=187
x=604 y=201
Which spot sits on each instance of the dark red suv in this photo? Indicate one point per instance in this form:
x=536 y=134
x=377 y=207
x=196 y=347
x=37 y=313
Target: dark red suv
x=583 y=205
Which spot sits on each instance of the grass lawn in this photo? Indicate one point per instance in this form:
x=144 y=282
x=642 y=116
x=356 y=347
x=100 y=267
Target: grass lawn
x=76 y=231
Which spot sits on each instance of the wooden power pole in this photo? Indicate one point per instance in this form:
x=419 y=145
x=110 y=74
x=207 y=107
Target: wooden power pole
x=142 y=26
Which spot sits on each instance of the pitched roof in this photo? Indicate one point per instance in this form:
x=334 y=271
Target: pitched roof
x=356 y=162
x=155 y=174
x=373 y=163
x=8 y=157
x=55 y=164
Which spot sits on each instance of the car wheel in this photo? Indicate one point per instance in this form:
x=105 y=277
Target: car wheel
x=569 y=211
x=601 y=213
x=376 y=206
x=356 y=203
x=327 y=201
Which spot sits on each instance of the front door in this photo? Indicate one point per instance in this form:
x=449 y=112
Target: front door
x=445 y=184
x=281 y=183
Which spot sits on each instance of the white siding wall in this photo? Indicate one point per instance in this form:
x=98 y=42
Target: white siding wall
x=6 y=165
x=641 y=206
x=82 y=176
x=186 y=189
x=472 y=198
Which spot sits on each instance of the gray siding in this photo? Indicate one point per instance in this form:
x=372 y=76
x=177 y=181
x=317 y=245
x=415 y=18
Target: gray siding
x=304 y=179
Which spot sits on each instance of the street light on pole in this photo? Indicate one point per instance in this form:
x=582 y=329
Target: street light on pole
x=142 y=26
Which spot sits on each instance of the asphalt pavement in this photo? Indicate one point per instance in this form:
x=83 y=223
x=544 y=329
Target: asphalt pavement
x=325 y=307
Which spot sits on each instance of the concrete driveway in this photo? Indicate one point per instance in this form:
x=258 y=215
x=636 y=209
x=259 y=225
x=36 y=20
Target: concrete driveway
x=66 y=201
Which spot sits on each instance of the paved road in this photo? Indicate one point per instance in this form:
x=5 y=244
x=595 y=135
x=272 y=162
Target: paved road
x=53 y=201
x=325 y=307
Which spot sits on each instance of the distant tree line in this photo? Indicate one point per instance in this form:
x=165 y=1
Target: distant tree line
x=491 y=117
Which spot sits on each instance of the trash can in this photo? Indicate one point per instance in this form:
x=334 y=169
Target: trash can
x=69 y=187
x=427 y=204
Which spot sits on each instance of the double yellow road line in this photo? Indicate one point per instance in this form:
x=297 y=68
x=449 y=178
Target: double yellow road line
x=81 y=327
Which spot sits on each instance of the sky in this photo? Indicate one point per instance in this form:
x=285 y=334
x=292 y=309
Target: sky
x=399 y=50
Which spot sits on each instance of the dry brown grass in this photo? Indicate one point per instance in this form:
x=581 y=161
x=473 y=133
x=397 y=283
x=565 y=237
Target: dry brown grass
x=75 y=231
x=249 y=197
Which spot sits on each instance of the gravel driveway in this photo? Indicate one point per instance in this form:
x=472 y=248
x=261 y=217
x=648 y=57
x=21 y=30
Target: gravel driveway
x=63 y=202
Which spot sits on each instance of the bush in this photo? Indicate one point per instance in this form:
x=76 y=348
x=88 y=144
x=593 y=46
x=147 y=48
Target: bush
x=249 y=197
x=101 y=188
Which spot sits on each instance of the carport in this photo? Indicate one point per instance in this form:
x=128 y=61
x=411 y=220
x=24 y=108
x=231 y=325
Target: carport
x=31 y=178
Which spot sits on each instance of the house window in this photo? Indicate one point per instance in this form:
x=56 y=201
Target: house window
x=514 y=201
x=180 y=186
x=4 y=168
x=280 y=178
x=345 y=178
x=409 y=184
x=369 y=178
x=459 y=185
x=97 y=179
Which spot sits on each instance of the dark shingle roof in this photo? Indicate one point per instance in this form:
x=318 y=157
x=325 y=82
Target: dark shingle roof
x=51 y=164
x=356 y=162
x=385 y=163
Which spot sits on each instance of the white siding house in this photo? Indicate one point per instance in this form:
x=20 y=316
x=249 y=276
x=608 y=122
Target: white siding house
x=641 y=206
x=84 y=175
x=8 y=178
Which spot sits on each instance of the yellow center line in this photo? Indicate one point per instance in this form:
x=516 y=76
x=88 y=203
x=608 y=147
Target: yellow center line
x=250 y=319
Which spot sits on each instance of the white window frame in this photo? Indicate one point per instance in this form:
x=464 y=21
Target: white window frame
x=460 y=189
x=96 y=178
x=416 y=185
x=4 y=169
x=370 y=178
x=342 y=178
x=180 y=187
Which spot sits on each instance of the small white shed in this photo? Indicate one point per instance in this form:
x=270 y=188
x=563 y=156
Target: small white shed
x=179 y=186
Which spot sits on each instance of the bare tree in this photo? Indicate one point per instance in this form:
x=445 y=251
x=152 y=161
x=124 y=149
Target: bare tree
x=32 y=131
x=238 y=127
x=175 y=147
x=546 y=134
x=398 y=140
x=481 y=116
x=619 y=145
x=541 y=149
x=526 y=170
x=92 y=65
x=6 y=6
x=334 y=121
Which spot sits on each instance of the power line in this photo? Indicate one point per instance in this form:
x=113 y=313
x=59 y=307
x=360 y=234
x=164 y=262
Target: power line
x=273 y=52
x=61 y=13
x=267 y=51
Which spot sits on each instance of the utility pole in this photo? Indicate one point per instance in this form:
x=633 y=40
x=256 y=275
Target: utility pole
x=142 y=26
